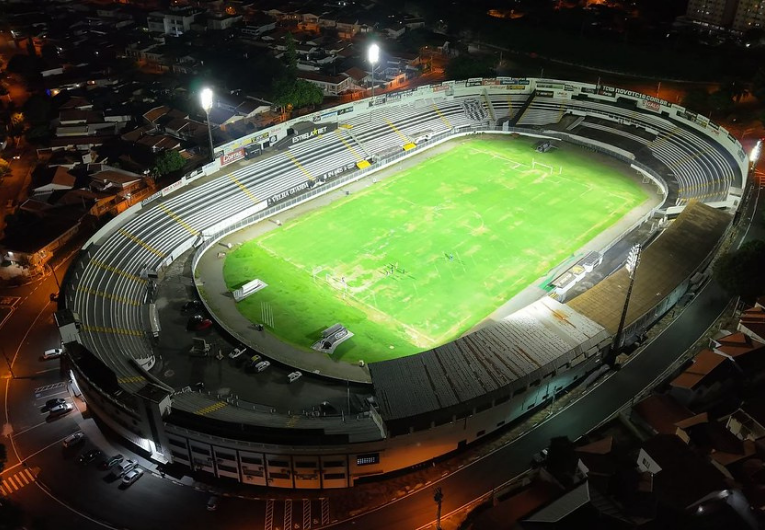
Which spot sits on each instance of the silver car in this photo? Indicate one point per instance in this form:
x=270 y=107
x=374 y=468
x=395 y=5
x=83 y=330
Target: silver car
x=131 y=476
x=60 y=410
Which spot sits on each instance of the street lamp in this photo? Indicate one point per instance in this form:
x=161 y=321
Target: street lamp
x=438 y=497
x=207 y=100
x=373 y=56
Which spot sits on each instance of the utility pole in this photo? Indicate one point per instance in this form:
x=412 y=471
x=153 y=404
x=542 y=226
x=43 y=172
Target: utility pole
x=438 y=497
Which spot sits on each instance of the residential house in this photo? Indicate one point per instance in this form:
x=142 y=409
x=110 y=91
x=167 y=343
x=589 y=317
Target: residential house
x=659 y=414
x=705 y=379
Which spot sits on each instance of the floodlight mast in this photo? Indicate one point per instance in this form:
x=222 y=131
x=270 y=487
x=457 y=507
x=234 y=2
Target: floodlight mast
x=373 y=56
x=206 y=98
x=633 y=260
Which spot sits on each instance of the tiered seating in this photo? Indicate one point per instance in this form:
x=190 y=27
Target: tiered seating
x=474 y=110
x=109 y=294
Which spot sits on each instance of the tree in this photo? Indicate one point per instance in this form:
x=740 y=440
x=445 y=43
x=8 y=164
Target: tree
x=465 y=66
x=696 y=99
x=720 y=101
x=37 y=109
x=758 y=85
x=296 y=93
x=742 y=272
x=167 y=162
x=5 y=169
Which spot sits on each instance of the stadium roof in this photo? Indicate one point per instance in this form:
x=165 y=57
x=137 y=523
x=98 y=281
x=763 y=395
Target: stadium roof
x=665 y=264
x=484 y=361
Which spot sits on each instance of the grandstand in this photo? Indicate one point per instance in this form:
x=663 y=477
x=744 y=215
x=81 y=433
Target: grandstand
x=485 y=379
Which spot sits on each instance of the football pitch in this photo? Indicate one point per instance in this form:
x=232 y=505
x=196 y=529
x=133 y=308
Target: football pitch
x=419 y=258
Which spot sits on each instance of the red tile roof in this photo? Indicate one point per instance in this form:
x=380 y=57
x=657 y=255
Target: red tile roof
x=704 y=363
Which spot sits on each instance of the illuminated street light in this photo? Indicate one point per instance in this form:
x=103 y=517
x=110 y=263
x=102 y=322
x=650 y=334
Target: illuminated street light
x=373 y=56
x=207 y=101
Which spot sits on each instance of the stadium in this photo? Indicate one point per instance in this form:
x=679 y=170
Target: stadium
x=361 y=224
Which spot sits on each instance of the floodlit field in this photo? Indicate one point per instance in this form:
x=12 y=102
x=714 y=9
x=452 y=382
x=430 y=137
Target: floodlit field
x=417 y=259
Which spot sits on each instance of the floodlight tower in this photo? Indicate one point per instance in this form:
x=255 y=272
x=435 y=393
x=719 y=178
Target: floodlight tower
x=633 y=260
x=373 y=56
x=206 y=98
x=754 y=156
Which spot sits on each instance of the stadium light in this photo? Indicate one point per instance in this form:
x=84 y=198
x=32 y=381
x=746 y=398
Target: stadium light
x=633 y=259
x=206 y=98
x=373 y=56
x=754 y=156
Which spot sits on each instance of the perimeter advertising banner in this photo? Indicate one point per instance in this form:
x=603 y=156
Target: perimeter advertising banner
x=232 y=157
x=290 y=192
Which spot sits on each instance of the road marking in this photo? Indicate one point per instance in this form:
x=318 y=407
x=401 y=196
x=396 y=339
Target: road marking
x=15 y=482
x=269 y=522
x=29 y=428
x=287 y=514
x=41 y=389
x=48 y=370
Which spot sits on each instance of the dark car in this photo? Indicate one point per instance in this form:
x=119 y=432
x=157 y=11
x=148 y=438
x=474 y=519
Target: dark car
x=110 y=462
x=53 y=402
x=203 y=324
x=88 y=456
x=191 y=305
x=193 y=321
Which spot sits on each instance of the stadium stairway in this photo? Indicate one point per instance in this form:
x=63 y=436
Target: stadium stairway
x=526 y=104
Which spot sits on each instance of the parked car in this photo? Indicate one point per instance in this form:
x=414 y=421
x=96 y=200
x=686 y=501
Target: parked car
x=88 y=456
x=124 y=466
x=539 y=458
x=74 y=439
x=53 y=402
x=238 y=352
x=53 y=353
x=131 y=476
x=60 y=410
x=294 y=376
x=110 y=462
x=191 y=305
x=262 y=365
x=203 y=324
x=249 y=366
x=212 y=503
x=193 y=321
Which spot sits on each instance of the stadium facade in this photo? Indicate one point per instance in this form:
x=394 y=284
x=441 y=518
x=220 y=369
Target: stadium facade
x=426 y=405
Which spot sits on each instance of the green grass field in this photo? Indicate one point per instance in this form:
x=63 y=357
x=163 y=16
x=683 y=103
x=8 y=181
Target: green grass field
x=417 y=259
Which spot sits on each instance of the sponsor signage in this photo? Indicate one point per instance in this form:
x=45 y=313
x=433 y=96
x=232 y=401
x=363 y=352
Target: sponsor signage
x=511 y=81
x=336 y=172
x=553 y=86
x=490 y=82
x=474 y=81
x=545 y=93
x=290 y=192
x=649 y=105
x=345 y=110
x=174 y=186
x=638 y=95
x=316 y=131
x=151 y=198
x=233 y=156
